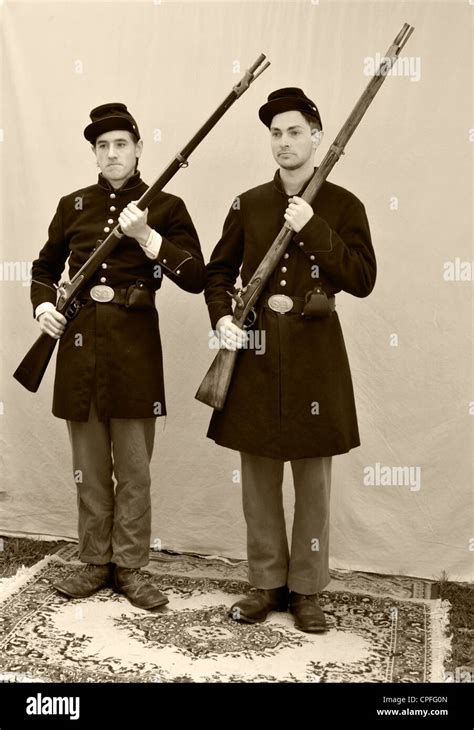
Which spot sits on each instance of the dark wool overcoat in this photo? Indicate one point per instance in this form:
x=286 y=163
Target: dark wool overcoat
x=109 y=349
x=294 y=400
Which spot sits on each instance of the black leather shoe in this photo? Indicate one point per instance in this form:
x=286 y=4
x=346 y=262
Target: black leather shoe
x=256 y=606
x=85 y=582
x=140 y=591
x=308 y=613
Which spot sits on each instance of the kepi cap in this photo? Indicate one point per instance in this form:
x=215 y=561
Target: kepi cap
x=286 y=100
x=108 y=117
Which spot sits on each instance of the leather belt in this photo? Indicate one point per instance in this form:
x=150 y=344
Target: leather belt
x=106 y=294
x=283 y=304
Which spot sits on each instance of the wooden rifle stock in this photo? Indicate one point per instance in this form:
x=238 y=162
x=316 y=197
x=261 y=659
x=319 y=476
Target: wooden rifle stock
x=33 y=366
x=30 y=371
x=215 y=386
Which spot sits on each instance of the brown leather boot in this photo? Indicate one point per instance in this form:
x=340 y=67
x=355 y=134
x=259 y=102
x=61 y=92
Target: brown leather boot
x=85 y=582
x=308 y=613
x=140 y=591
x=256 y=606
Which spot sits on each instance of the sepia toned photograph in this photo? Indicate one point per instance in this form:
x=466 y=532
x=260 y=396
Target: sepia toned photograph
x=236 y=402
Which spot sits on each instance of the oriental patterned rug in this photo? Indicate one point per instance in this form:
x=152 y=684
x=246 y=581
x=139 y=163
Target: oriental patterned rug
x=380 y=631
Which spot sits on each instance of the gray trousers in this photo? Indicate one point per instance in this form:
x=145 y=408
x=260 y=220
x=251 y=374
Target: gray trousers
x=114 y=521
x=271 y=565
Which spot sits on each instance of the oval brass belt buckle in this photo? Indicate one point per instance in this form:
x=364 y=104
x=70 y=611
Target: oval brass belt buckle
x=280 y=303
x=102 y=293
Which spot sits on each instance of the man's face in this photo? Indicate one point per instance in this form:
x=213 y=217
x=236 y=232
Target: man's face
x=292 y=143
x=117 y=154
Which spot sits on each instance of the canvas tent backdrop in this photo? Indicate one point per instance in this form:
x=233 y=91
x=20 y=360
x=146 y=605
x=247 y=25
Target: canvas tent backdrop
x=409 y=343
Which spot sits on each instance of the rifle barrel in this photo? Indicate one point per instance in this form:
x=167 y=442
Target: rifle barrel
x=215 y=385
x=31 y=369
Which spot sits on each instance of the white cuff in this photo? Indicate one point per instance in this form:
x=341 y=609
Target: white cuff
x=152 y=245
x=44 y=307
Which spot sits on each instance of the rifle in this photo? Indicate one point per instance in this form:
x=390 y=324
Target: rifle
x=214 y=388
x=32 y=368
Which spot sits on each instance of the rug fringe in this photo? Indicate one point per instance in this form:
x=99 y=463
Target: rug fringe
x=440 y=642
x=9 y=586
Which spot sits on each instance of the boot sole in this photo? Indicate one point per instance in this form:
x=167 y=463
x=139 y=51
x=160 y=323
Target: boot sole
x=312 y=629
x=147 y=608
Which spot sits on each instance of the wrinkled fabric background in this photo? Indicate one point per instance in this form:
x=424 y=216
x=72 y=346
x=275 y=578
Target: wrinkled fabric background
x=172 y=63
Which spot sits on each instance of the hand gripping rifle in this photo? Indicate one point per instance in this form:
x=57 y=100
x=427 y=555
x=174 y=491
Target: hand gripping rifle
x=213 y=389
x=32 y=368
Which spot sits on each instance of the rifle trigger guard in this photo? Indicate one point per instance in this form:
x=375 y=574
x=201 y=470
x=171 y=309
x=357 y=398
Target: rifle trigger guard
x=73 y=309
x=251 y=319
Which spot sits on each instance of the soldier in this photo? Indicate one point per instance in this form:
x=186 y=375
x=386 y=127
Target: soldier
x=293 y=401
x=109 y=374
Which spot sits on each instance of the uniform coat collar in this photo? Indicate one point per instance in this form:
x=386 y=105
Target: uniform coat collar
x=133 y=182
x=279 y=185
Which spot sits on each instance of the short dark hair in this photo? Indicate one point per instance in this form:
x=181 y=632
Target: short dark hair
x=313 y=123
